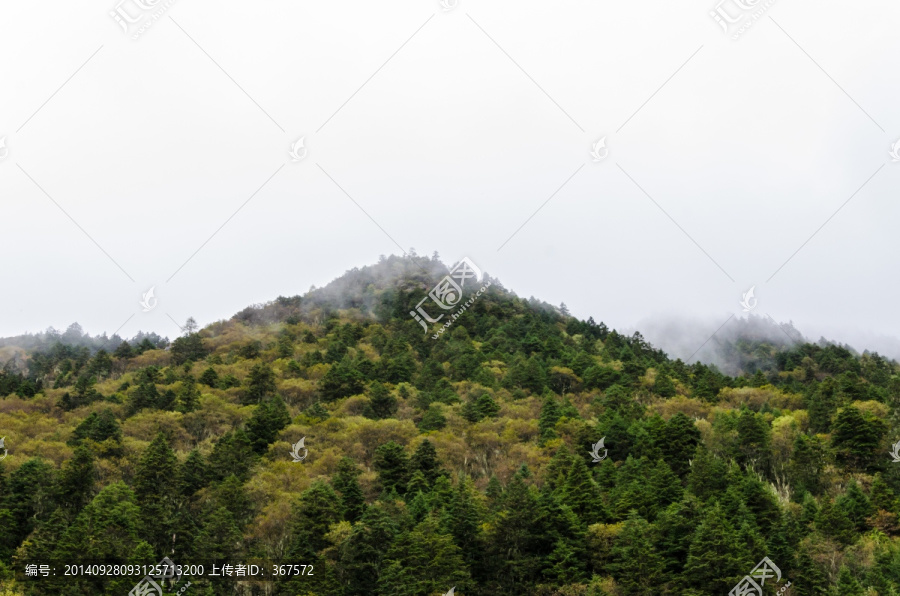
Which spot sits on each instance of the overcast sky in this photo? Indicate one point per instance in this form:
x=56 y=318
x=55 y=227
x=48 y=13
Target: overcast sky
x=164 y=162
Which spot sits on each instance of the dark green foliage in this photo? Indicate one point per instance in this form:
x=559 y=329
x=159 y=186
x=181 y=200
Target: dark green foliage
x=342 y=380
x=260 y=383
x=188 y=398
x=209 y=377
x=269 y=418
x=856 y=438
x=97 y=427
x=392 y=465
x=188 y=348
x=433 y=419
x=353 y=503
x=381 y=403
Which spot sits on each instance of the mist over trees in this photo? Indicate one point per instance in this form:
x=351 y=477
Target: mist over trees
x=460 y=462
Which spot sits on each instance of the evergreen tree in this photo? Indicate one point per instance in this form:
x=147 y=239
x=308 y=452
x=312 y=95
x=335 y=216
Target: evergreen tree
x=392 y=465
x=425 y=460
x=362 y=555
x=550 y=415
x=345 y=482
x=679 y=441
x=637 y=566
x=188 y=398
x=269 y=418
x=381 y=403
x=155 y=487
x=260 y=383
x=425 y=561
x=717 y=559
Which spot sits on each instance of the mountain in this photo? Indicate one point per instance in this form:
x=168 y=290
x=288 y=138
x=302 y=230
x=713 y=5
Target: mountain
x=332 y=440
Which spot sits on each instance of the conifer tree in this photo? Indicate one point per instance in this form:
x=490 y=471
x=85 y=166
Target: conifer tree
x=155 y=486
x=382 y=404
x=717 y=559
x=425 y=561
x=392 y=465
x=637 y=567
x=345 y=482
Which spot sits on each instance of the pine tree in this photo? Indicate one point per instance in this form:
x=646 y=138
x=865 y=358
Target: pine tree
x=433 y=419
x=716 y=560
x=679 y=441
x=76 y=481
x=232 y=454
x=549 y=417
x=316 y=509
x=382 y=404
x=514 y=541
x=833 y=522
x=637 y=567
x=345 y=482
x=209 y=377
x=425 y=459
x=269 y=418
x=155 y=486
x=361 y=558
x=425 y=561
x=194 y=474
x=392 y=465
x=856 y=506
x=188 y=398
x=856 y=438
x=260 y=383
x=582 y=494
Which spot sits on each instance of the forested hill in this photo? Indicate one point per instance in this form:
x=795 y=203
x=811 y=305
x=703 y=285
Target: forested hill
x=470 y=461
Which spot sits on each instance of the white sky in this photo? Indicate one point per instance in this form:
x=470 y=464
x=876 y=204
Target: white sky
x=749 y=146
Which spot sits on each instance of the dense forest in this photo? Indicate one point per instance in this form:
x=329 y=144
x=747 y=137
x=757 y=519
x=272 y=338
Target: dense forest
x=465 y=462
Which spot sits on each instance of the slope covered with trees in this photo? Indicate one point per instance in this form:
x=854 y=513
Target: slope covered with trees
x=459 y=462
